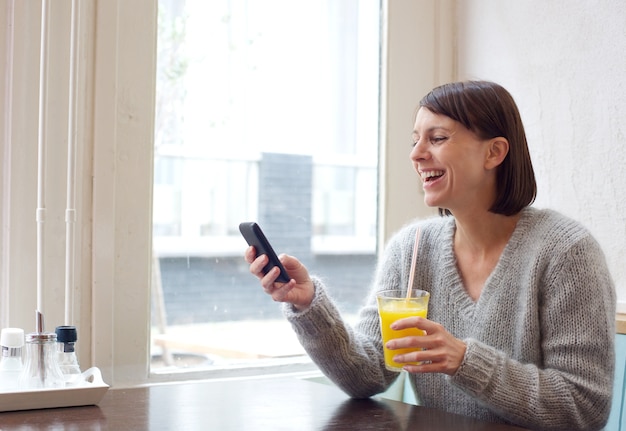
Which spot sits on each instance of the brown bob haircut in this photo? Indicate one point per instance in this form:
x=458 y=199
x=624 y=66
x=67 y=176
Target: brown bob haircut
x=488 y=110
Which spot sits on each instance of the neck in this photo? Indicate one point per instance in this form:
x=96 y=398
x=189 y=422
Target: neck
x=481 y=233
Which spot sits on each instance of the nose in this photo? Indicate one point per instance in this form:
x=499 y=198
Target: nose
x=419 y=151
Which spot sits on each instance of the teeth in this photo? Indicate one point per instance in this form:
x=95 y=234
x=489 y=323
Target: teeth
x=429 y=174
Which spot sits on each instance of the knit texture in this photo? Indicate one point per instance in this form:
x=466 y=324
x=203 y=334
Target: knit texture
x=540 y=339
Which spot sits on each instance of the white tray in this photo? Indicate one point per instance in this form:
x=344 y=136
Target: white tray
x=90 y=391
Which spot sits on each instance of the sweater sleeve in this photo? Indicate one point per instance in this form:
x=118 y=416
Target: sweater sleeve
x=351 y=358
x=571 y=389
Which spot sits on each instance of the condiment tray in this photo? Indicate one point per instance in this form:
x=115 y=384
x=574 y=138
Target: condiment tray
x=89 y=391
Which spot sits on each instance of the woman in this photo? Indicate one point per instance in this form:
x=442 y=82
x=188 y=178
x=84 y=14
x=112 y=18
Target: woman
x=521 y=316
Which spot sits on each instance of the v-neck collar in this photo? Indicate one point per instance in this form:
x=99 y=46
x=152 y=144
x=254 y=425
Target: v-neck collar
x=458 y=294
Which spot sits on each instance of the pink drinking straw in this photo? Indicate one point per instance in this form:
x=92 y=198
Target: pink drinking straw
x=409 y=289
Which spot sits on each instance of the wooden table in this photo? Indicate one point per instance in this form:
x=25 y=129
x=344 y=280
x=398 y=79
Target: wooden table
x=251 y=404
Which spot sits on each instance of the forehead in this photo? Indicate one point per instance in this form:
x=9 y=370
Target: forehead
x=426 y=120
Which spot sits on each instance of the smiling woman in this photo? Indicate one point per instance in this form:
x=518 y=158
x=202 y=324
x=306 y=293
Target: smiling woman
x=501 y=288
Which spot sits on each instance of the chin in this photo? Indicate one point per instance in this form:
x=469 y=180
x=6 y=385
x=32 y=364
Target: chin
x=432 y=203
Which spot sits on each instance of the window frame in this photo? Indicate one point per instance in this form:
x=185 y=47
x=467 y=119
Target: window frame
x=116 y=81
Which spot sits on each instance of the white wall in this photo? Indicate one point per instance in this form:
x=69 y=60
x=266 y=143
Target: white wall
x=417 y=55
x=564 y=61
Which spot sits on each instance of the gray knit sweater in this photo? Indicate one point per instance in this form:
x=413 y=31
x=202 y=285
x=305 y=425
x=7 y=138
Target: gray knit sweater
x=540 y=339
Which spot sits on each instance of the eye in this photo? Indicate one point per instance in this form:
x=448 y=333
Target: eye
x=437 y=139
x=434 y=140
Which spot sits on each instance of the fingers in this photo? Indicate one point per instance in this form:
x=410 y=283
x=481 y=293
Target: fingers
x=268 y=281
x=299 y=291
x=414 y=322
x=279 y=291
x=250 y=254
x=438 y=351
x=439 y=360
x=258 y=263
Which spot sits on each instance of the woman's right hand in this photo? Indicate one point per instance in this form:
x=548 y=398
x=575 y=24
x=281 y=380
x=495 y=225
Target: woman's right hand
x=299 y=291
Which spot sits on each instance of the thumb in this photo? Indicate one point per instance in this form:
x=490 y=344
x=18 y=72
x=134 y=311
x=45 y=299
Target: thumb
x=289 y=262
x=294 y=267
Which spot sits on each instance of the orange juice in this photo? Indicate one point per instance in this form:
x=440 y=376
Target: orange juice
x=392 y=309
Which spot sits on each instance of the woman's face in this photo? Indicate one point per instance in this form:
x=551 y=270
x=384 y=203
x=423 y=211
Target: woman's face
x=453 y=164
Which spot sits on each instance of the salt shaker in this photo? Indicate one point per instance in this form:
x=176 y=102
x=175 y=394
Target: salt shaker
x=11 y=364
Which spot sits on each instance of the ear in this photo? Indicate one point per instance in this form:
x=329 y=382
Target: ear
x=497 y=150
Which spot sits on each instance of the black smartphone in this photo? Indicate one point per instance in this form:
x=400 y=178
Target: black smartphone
x=253 y=234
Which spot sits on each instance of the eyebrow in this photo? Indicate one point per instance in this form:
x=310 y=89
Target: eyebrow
x=431 y=129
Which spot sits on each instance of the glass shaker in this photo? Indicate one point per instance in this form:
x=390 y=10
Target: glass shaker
x=41 y=368
x=66 y=354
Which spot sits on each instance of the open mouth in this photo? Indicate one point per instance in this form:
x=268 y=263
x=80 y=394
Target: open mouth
x=429 y=176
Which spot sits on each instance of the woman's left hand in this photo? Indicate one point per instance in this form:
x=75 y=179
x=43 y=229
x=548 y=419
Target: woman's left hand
x=442 y=353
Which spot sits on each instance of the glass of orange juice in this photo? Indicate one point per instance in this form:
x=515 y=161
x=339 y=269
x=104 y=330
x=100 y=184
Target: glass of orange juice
x=394 y=305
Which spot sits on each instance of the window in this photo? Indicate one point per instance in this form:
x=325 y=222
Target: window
x=117 y=172
x=268 y=119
